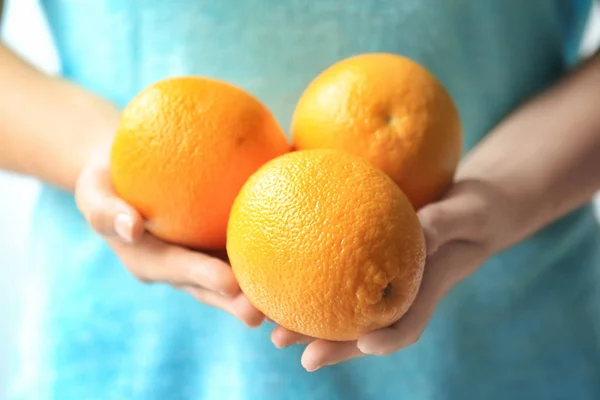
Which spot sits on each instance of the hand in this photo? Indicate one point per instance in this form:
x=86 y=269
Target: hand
x=208 y=278
x=458 y=239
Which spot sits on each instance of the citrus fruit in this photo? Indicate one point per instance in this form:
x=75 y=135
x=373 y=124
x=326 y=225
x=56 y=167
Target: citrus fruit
x=390 y=111
x=325 y=244
x=184 y=148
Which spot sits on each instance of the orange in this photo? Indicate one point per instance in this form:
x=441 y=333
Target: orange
x=325 y=244
x=184 y=148
x=390 y=111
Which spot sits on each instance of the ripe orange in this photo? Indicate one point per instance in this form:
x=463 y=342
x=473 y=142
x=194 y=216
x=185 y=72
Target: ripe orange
x=325 y=244
x=390 y=111
x=184 y=148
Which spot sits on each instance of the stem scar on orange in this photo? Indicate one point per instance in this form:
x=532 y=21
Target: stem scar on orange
x=390 y=111
x=184 y=148
x=326 y=245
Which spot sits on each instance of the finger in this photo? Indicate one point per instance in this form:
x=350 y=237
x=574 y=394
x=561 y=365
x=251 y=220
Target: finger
x=389 y=340
x=114 y=218
x=461 y=215
x=244 y=310
x=220 y=254
x=106 y=213
x=321 y=353
x=152 y=260
x=439 y=277
x=283 y=337
x=238 y=306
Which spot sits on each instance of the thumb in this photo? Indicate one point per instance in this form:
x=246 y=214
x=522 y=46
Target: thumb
x=460 y=215
x=104 y=210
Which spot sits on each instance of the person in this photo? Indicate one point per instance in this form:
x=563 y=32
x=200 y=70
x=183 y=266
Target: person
x=509 y=305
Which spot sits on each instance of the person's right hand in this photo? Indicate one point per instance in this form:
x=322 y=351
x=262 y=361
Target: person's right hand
x=208 y=278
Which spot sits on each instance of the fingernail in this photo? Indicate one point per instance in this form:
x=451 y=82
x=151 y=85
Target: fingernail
x=366 y=350
x=124 y=227
x=318 y=367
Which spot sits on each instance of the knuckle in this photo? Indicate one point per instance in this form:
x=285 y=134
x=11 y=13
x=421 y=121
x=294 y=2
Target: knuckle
x=140 y=273
x=425 y=216
x=173 y=281
x=430 y=218
x=200 y=296
x=171 y=268
x=435 y=214
x=134 y=261
x=133 y=268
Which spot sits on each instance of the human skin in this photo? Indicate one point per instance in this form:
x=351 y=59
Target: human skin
x=494 y=204
x=59 y=133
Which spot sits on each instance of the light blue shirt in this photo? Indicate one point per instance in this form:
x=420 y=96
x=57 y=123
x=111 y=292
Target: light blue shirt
x=525 y=326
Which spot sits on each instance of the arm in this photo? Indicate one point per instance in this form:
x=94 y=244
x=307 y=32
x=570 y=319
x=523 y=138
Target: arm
x=48 y=127
x=544 y=160
x=537 y=165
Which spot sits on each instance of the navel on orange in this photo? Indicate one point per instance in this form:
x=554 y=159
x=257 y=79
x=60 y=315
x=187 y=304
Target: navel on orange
x=184 y=148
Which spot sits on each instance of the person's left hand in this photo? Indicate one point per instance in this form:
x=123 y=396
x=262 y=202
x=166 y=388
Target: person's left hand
x=458 y=231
